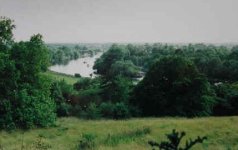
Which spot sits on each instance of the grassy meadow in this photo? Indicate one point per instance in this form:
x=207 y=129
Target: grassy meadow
x=70 y=79
x=132 y=134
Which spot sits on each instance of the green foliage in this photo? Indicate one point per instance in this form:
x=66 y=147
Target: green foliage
x=63 y=54
x=77 y=75
x=25 y=94
x=114 y=62
x=62 y=108
x=121 y=111
x=31 y=57
x=66 y=89
x=83 y=83
x=91 y=112
x=117 y=89
x=76 y=110
x=103 y=64
x=174 y=87
x=227 y=100
x=107 y=110
x=124 y=68
x=87 y=142
x=6 y=34
x=174 y=142
x=114 y=111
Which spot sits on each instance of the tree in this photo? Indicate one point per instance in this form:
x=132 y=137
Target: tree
x=103 y=64
x=124 y=68
x=227 y=99
x=6 y=35
x=173 y=87
x=25 y=93
x=31 y=58
x=117 y=89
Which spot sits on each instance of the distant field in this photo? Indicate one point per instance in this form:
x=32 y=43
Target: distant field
x=59 y=76
x=222 y=133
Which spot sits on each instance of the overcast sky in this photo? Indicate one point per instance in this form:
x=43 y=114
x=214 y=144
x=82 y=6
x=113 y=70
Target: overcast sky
x=212 y=21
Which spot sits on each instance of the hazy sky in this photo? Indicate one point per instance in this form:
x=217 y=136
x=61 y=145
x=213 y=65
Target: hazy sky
x=124 y=20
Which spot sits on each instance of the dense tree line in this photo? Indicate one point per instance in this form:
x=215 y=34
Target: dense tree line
x=24 y=92
x=62 y=54
x=180 y=80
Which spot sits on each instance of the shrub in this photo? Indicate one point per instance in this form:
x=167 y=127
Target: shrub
x=121 y=111
x=174 y=142
x=227 y=100
x=76 y=110
x=107 y=110
x=91 y=112
x=87 y=142
x=66 y=89
x=77 y=75
x=115 y=111
x=62 y=108
x=82 y=83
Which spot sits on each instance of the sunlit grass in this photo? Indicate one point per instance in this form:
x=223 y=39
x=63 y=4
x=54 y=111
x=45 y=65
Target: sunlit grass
x=58 y=76
x=221 y=133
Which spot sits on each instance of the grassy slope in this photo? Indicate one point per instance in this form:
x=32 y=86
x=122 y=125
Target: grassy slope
x=58 y=76
x=221 y=133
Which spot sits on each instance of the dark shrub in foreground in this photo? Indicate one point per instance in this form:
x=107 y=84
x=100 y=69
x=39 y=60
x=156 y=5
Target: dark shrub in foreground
x=175 y=140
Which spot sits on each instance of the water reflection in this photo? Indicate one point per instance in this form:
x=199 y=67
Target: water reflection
x=83 y=66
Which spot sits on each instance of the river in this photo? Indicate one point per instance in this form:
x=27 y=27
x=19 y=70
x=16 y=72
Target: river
x=83 y=66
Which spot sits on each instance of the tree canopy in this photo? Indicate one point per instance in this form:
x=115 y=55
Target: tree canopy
x=24 y=92
x=174 y=87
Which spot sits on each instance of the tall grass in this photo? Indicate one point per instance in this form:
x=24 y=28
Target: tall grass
x=125 y=134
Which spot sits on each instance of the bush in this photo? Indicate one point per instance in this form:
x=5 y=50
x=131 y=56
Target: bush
x=82 y=83
x=227 y=100
x=91 y=112
x=121 y=111
x=175 y=140
x=76 y=110
x=77 y=75
x=87 y=142
x=66 y=89
x=63 y=109
x=28 y=110
x=107 y=110
x=115 y=111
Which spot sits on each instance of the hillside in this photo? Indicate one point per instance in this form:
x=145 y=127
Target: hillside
x=127 y=135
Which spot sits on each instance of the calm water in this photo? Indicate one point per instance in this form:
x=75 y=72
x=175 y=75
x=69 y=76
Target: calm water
x=83 y=66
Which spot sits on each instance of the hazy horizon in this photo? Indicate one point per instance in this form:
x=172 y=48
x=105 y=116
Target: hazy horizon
x=124 y=21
